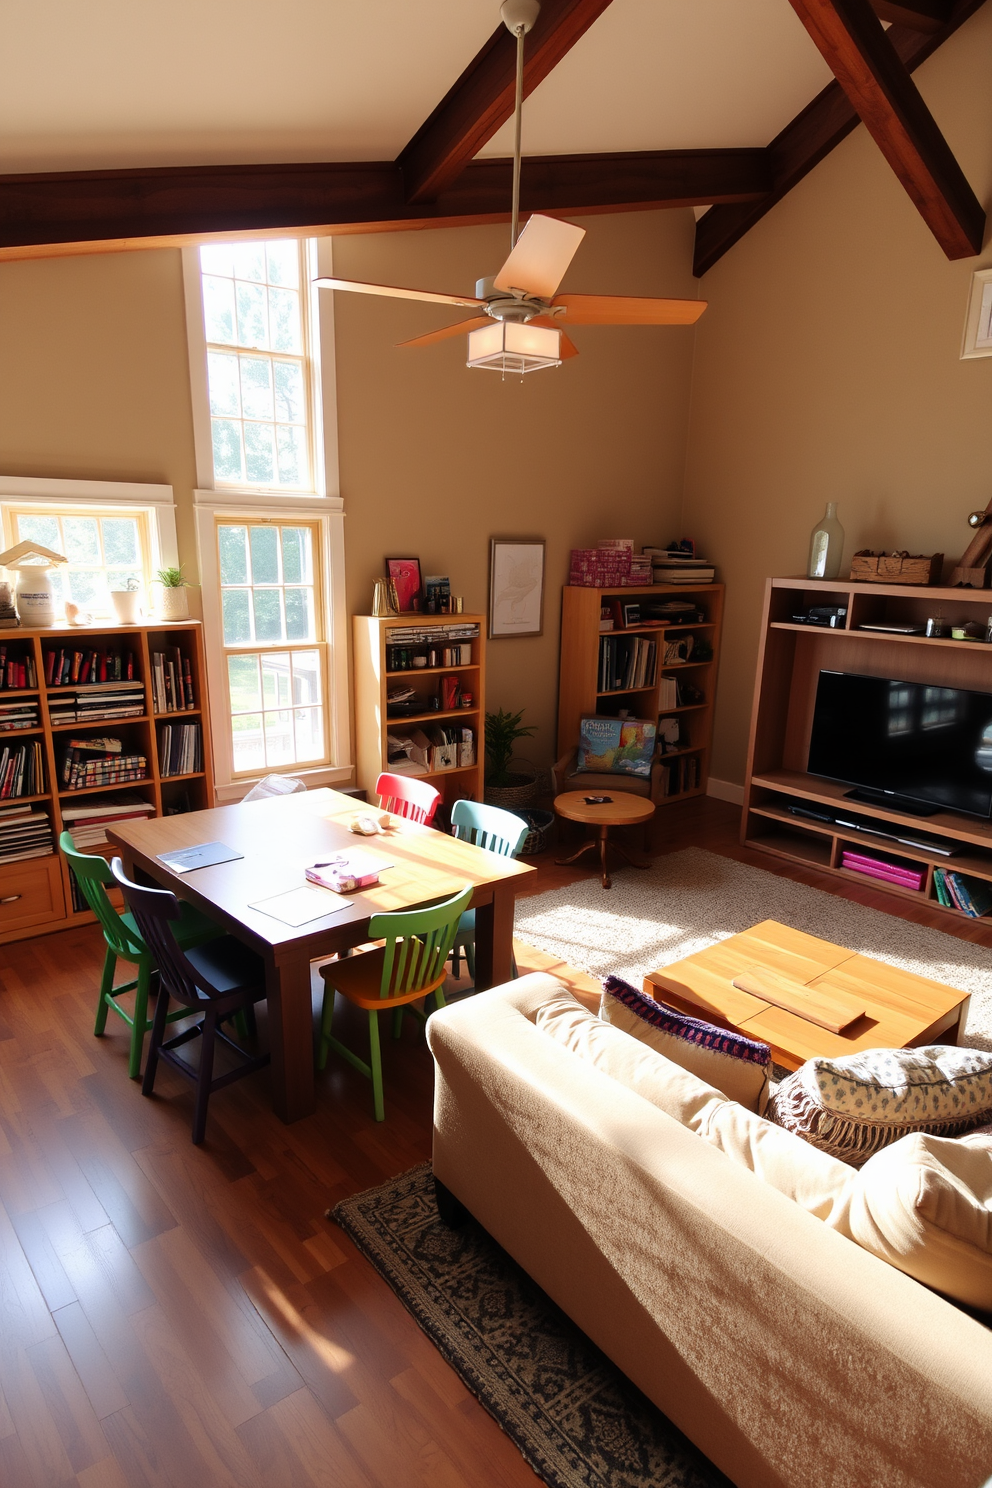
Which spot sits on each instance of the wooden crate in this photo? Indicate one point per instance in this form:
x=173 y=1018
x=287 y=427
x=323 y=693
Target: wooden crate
x=896 y=568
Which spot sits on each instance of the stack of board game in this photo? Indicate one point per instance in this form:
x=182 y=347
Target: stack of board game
x=97 y=700
x=25 y=832
x=92 y=762
x=20 y=715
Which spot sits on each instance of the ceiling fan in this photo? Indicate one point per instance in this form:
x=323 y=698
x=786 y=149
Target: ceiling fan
x=520 y=327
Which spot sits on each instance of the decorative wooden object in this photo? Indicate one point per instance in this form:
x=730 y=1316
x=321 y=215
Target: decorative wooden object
x=373 y=682
x=786 y=992
x=35 y=896
x=896 y=568
x=579 y=672
x=790 y=659
x=973 y=570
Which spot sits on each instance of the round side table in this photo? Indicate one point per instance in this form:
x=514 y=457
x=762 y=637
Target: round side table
x=621 y=809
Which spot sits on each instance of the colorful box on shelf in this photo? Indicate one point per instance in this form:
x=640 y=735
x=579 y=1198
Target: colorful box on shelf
x=891 y=872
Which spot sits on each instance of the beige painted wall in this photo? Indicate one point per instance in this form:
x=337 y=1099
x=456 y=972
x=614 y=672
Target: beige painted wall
x=436 y=459
x=827 y=368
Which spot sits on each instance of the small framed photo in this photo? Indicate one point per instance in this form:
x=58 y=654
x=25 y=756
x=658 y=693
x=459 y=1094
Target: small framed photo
x=516 y=587
x=978 y=323
x=405 y=574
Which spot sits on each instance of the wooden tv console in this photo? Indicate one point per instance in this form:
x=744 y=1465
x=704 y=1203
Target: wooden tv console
x=791 y=656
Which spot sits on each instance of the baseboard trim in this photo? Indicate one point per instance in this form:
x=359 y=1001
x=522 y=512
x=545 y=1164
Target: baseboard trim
x=725 y=790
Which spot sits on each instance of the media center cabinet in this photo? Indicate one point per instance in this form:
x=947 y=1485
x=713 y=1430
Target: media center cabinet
x=791 y=657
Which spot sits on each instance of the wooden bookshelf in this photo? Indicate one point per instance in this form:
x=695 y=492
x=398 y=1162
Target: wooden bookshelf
x=374 y=679
x=579 y=692
x=791 y=657
x=35 y=896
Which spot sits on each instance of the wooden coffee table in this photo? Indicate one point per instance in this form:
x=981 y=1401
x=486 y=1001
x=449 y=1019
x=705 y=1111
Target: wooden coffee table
x=623 y=809
x=901 y=1009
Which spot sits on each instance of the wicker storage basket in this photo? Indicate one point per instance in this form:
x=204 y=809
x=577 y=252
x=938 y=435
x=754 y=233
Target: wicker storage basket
x=511 y=796
x=539 y=836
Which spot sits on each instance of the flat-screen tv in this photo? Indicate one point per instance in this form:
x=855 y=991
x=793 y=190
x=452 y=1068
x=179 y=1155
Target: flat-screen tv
x=904 y=742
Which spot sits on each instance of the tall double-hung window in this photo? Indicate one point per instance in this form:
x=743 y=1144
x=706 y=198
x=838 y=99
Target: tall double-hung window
x=269 y=534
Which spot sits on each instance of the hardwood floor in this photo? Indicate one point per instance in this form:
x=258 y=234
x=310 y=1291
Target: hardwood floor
x=173 y=1317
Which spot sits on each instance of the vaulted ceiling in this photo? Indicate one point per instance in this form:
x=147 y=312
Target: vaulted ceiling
x=121 y=120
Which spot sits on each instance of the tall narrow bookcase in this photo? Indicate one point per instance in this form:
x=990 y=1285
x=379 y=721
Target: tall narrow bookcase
x=579 y=691
x=374 y=679
x=35 y=893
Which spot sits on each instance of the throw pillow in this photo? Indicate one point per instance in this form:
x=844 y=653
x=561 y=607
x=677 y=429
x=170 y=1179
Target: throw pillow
x=924 y=1204
x=854 y=1106
x=728 y=1061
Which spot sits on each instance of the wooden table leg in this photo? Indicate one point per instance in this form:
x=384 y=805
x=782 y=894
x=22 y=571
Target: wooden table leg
x=494 y=938
x=287 y=985
x=604 y=872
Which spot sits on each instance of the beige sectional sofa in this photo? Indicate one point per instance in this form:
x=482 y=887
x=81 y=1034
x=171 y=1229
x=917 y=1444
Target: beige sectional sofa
x=790 y=1355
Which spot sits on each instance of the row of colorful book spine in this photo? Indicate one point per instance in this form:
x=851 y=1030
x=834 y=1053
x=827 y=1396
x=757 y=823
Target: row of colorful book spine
x=22 y=770
x=66 y=666
x=972 y=896
x=17 y=671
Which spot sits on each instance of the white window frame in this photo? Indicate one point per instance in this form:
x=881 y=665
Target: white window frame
x=249 y=503
x=156 y=502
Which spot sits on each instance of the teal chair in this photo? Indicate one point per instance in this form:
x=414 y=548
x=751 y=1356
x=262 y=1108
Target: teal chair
x=409 y=965
x=498 y=832
x=124 y=943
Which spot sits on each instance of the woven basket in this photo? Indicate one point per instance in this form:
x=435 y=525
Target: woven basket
x=539 y=836
x=510 y=796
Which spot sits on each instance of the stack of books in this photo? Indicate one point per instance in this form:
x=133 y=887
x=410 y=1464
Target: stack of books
x=626 y=662
x=97 y=700
x=20 y=715
x=180 y=749
x=972 y=896
x=680 y=776
x=22 y=771
x=890 y=870
x=25 y=832
x=677 y=567
x=87 y=825
x=172 y=681
x=65 y=666
x=17 y=672
x=93 y=762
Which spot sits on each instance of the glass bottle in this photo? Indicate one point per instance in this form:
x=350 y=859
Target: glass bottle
x=826 y=546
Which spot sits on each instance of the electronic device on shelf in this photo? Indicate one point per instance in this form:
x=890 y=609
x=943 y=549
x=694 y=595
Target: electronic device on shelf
x=831 y=616
x=871 y=826
x=890 y=629
x=907 y=746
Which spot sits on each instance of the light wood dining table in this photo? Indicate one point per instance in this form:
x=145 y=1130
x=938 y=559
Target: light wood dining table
x=278 y=839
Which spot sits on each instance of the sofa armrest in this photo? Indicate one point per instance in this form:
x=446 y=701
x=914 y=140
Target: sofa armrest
x=561 y=769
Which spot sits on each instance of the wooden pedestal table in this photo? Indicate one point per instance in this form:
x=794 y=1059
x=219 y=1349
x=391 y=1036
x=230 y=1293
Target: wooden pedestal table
x=619 y=809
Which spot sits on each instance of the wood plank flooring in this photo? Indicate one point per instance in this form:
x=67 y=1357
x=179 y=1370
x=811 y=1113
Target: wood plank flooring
x=173 y=1317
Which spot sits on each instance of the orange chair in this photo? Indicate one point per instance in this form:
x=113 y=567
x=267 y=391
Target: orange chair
x=405 y=795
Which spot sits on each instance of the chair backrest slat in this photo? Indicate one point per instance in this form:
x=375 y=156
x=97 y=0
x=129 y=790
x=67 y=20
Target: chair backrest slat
x=153 y=909
x=417 y=943
x=406 y=796
x=488 y=827
x=92 y=875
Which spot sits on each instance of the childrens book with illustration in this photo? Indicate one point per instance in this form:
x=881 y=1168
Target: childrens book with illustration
x=616 y=746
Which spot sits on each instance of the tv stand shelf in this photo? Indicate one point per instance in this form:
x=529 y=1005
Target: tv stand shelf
x=790 y=659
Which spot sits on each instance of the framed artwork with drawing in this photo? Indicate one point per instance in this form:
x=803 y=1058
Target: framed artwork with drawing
x=405 y=574
x=516 y=586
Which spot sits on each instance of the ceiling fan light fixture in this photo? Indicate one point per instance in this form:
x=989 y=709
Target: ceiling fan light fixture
x=515 y=347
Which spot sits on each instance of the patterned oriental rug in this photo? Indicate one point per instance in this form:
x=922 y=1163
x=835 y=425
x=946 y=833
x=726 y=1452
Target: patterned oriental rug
x=688 y=900
x=574 y=1417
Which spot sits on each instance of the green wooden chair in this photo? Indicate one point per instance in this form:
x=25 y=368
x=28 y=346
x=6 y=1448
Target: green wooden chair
x=498 y=832
x=409 y=965
x=124 y=943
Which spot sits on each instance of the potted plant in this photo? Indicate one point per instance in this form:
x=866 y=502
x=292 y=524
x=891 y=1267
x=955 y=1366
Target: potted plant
x=174 y=602
x=127 y=602
x=505 y=786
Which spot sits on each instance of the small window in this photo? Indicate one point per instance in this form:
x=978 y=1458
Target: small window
x=257 y=368
x=274 y=648
x=106 y=550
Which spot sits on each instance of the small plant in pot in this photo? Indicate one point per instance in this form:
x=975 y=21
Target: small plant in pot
x=509 y=782
x=174 y=603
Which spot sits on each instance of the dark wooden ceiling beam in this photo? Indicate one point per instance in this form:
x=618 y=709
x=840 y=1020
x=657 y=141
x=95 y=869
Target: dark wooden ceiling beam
x=919 y=15
x=858 y=52
x=481 y=100
x=132 y=208
x=809 y=138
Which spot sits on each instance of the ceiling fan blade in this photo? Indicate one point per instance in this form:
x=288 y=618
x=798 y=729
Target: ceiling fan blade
x=627 y=310
x=544 y=250
x=398 y=294
x=566 y=346
x=453 y=330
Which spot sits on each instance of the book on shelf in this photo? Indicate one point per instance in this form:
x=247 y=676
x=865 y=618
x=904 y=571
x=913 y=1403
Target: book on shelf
x=616 y=746
x=972 y=896
x=180 y=748
x=68 y=666
x=91 y=762
x=20 y=715
x=22 y=770
x=626 y=662
x=172 y=681
x=17 y=670
x=887 y=869
x=680 y=775
x=25 y=832
x=96 y=701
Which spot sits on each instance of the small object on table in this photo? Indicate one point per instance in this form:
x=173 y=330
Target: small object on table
x=621 y=809
x=206 y=855
x=346 y=872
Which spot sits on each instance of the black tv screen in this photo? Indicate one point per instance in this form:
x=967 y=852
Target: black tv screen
x=927 y=744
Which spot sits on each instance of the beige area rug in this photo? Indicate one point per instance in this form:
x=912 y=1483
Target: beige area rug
x=689 y=900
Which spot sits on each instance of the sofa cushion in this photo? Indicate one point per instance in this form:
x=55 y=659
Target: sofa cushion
x=924 y=1204
x=728 y=1061
x=854 y=1106
x=629 y=1061
x=815 y=1181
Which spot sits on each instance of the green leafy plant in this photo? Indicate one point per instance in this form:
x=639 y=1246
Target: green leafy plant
x=503 y=729
x=172 y=578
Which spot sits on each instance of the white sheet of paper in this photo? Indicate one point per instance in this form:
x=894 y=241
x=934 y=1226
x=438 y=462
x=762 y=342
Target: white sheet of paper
x=298 y=906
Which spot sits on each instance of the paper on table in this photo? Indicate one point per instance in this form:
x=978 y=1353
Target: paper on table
x=297 y=906
x=206 y=855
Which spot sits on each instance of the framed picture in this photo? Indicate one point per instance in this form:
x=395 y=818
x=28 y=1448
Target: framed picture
x=978 y=323
x=516 y=586
x=405 y=574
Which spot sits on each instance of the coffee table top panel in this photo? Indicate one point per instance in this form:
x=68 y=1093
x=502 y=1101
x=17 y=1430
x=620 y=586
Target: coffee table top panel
x=623 y=807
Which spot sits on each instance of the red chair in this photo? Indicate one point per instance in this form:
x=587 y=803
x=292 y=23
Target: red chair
x=405 y=795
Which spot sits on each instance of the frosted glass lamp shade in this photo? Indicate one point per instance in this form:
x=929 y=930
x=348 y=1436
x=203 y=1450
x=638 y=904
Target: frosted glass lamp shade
x=512 y=346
